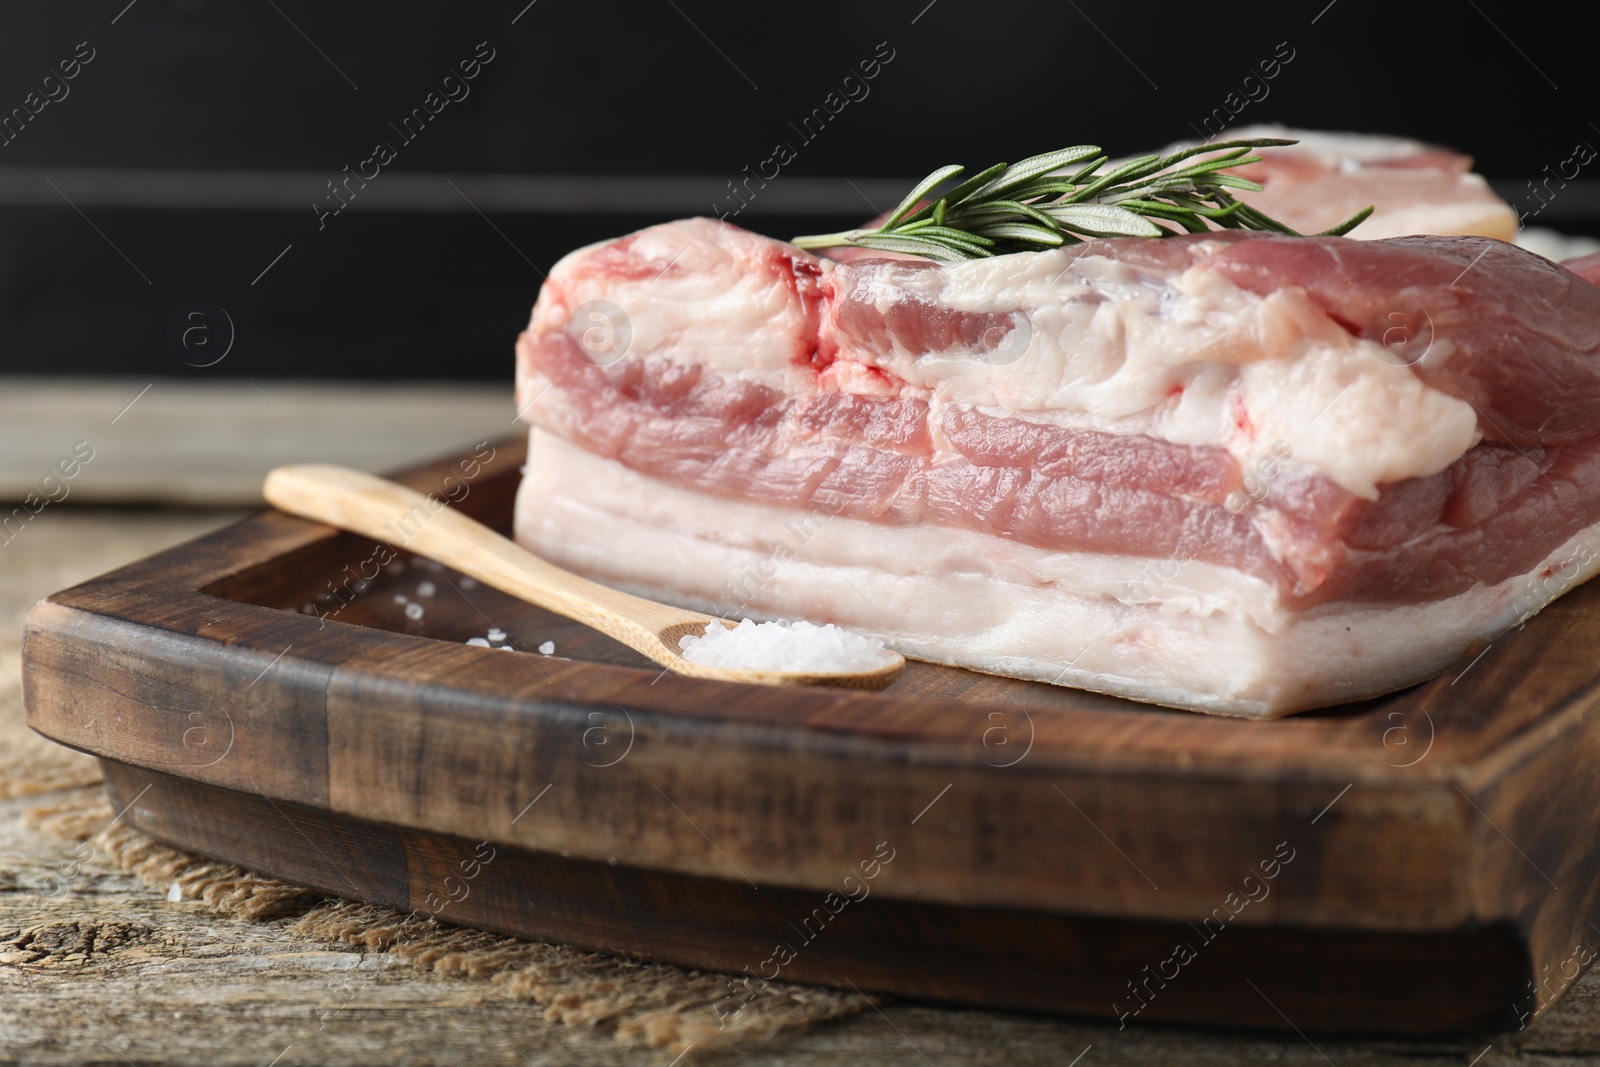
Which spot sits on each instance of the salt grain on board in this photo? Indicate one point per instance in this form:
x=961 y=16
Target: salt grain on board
x=784 y=646
x=496 y=634
x=547 y=648
x=427 y=589
x=413 y=611
x=477 y=642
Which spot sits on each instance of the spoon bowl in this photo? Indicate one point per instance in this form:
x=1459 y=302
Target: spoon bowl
x=670 y=635
x=378 y=508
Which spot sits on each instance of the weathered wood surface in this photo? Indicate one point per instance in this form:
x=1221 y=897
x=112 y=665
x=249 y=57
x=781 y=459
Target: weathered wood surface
x=244 y=992
x=113 y=974
x=1475 y=856
x=993 y=956
x=210 y=443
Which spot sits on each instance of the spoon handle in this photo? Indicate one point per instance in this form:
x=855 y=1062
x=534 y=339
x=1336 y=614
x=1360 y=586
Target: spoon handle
x=385 y=511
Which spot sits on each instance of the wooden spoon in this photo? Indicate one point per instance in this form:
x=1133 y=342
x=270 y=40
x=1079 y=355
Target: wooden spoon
x=381 y=509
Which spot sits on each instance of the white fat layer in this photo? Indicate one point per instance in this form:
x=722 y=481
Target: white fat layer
x=711 y=296
x=995 y=606
x=1488 y=219
x=1355 y=415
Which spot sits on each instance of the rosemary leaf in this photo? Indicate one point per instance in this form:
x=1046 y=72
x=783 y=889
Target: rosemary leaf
x=1103 y=220
x=1154 y=209
x=1132 y=170
x=1219 y=146
x=1233 y=181
x=1004 y=209
x=972 y=184
x=1094 y=164
x=1258 y=220
x=923 y=188
x=1044 y=187
x=913 y=246
x=1023 y=231
x=1348 y=224
x=1036 y=166
x=956 y=237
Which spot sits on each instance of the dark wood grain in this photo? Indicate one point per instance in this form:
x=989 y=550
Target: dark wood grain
x=1458 y=807
x=1322 y=979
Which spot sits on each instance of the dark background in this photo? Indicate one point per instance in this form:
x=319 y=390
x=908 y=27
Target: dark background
x=189 y=152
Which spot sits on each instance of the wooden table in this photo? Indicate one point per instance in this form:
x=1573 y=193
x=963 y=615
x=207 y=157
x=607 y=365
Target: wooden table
x=125 y=977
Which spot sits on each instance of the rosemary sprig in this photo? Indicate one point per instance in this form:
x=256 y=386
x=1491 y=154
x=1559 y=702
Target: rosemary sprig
x=1040 y=203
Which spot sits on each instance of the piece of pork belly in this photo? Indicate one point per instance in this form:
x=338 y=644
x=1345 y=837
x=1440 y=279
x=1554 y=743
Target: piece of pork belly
x=1239 y=473
x=1412 y=187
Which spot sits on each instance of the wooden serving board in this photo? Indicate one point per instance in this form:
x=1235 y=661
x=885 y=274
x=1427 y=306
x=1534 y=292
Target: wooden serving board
x=1422 y=862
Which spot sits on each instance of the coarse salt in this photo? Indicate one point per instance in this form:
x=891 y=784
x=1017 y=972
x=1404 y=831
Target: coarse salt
x=427 y=589
x=478 y=642
x=784 y=646
x=547 y=648
x=413 y=611
x=496 y=634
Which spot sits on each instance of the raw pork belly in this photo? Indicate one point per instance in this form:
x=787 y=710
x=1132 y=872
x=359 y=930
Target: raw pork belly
x=1414 y=187
x=1243 y=474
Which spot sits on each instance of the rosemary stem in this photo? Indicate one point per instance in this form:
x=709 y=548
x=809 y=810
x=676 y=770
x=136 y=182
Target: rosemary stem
x=830 y=240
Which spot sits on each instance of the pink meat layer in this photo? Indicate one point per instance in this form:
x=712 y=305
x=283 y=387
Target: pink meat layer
x=1513 y=334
